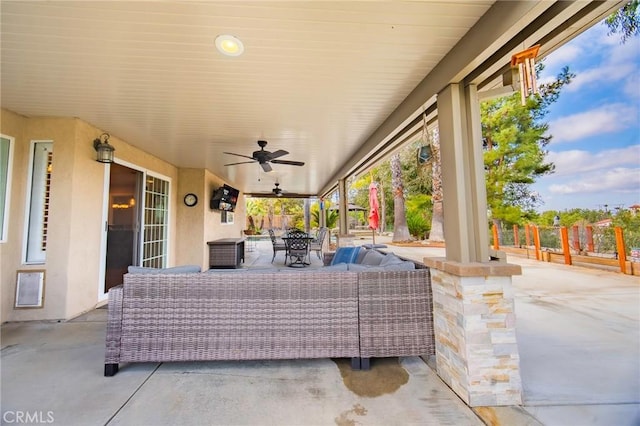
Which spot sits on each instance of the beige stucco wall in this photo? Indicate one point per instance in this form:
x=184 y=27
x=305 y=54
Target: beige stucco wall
x=76 y=222
x=13 y=125
x=199 y=224
x=61 y=132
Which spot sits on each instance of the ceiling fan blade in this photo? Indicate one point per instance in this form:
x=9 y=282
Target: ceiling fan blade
x=278 y=153
x=266 y=167
x=242 y=162
x=290 y=163
x=239 y=155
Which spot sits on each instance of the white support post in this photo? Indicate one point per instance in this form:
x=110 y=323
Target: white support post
x=464 y=195
x=476 y=347
x=344 y=239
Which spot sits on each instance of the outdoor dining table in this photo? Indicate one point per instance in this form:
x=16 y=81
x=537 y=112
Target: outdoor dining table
x=298 y=255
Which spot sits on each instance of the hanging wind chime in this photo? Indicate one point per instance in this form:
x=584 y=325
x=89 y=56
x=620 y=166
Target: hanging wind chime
x=525 y=62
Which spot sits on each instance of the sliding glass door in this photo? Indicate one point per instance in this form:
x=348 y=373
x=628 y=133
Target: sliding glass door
x=156 y=222
x=137 y=222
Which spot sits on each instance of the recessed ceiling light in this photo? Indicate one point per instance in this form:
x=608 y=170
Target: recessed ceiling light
x=229 y=45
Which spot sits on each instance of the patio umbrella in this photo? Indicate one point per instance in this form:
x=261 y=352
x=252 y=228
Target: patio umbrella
x=374 y=207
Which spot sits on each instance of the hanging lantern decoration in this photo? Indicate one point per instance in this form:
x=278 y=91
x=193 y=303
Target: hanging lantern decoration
x=525 y=62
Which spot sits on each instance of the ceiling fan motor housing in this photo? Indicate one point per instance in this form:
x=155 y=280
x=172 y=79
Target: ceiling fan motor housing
x=261 y=156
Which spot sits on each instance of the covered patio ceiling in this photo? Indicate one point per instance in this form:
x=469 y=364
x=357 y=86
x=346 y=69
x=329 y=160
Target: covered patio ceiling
x=339 y=85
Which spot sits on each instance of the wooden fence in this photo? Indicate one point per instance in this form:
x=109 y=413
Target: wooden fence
x=584 y=247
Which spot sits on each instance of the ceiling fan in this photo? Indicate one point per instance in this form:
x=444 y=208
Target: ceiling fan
x=265 y=157
x=277 y=190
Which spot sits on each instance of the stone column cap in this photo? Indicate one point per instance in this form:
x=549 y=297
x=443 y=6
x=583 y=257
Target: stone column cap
x=473 y=269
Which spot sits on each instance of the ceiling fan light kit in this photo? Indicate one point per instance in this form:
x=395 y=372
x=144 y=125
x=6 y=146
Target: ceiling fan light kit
x=277 y=190
x=264 y=157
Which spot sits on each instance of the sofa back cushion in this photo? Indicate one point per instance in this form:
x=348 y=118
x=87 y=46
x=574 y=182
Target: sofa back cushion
x=390 y=259
x=372 y=258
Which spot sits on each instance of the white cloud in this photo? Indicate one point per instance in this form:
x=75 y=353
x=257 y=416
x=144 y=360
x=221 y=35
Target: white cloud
x=615 y=181
x=590 y=43
x=605 y=119
x=632 y=86
x=615 y=62
x=578 y=161
x=603 y=74
x=618 y=52
x=561 y=57
x=583 y=178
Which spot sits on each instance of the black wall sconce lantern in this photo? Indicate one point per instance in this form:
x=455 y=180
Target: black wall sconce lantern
x=104 y=150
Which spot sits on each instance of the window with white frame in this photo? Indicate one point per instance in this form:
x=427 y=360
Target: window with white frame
x=226 y=217
x=39 y=197
x=6 y=153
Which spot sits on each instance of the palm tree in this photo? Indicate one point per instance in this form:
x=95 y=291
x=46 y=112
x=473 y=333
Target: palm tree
x=437 y=218
x=400 y=228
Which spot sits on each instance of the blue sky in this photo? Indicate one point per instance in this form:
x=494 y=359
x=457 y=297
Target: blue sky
x=595 y=124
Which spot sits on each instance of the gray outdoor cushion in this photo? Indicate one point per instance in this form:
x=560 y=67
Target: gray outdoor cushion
x=402 y=266
x=390 y=259
x=405 y=265
x=372 y=258
x=183 y=269
x=365 y=268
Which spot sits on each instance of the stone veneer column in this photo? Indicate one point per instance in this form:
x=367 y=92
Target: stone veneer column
x=474 y=320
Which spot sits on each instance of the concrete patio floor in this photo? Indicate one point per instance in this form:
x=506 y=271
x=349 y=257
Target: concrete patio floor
x=578 y=331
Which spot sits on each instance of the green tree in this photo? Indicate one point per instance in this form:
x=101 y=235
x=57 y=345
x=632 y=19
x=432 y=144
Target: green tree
x=256 y=208
x=416 y=177
x=630 y=223
x=359 y=192
x=514 y=139
x=268 y=208
x=625 y=21
x=331 y=216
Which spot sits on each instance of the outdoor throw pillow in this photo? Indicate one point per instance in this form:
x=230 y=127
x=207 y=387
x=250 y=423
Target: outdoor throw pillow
x=345 y=255
x=361 y=254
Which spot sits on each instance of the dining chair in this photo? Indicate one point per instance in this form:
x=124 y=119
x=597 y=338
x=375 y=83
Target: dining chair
x=277 y=246
x=297 y=243
x=316 y=244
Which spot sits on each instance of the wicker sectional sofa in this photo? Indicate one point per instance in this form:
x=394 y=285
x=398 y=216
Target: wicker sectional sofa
x=244 y=315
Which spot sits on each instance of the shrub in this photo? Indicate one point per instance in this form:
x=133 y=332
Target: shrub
x=417 y=224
